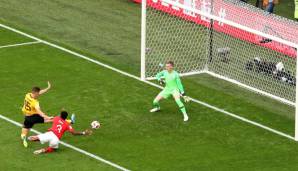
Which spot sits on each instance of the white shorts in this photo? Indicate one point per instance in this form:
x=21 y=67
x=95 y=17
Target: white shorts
x=49 y=137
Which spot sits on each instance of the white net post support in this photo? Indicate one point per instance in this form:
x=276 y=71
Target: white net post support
x=143 y=41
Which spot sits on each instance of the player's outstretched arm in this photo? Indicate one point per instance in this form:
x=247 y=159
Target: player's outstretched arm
x=160 y=77
x=181 y=89
x=86 y=132
x=46 y=118
x=46 y=89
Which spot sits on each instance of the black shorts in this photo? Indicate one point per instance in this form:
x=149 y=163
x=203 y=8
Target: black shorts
x=33 y=119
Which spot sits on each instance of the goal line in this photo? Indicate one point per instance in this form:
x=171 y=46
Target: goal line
x=19 y=44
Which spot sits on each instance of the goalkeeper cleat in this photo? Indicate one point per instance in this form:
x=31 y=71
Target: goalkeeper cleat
x=185 y=118
x=73 y=118
x=156 y=109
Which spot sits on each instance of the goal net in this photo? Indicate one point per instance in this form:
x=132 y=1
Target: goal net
x=227 y=39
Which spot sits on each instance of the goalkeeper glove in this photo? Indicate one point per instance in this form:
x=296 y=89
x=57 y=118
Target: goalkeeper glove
x=186 y=98
x=161 y=81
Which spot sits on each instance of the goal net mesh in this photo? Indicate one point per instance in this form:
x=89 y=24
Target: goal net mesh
x=200 y=44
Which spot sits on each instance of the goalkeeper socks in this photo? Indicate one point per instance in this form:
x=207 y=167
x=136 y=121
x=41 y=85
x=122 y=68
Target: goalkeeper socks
x=156 y=104
x=181 y=106
x=183 y=110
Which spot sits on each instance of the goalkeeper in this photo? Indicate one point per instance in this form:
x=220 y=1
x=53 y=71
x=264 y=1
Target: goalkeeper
x=173 y=87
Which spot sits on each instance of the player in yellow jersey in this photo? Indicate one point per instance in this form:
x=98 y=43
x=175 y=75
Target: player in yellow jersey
x=33 y=113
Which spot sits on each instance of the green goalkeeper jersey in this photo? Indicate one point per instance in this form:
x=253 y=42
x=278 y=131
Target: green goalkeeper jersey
x=172 y=80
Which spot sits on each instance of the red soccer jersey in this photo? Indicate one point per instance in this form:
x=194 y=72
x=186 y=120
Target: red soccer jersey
x=59 y=126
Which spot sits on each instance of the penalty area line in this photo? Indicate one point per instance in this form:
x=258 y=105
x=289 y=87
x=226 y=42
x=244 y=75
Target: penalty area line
x=70 y=146
x=19 y=44
x=148 y=82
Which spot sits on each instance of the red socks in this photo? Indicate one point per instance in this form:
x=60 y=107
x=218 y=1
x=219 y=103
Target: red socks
x=49 y=150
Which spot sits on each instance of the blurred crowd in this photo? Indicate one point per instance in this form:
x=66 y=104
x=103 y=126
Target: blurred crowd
x=268 y=5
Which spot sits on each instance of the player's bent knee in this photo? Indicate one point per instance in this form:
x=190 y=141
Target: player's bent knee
x=159 y=97
x=177 y=98
x=54 y=144
x=176 y=95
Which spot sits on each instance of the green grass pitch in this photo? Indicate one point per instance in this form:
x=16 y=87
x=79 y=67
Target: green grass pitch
x=130 y=136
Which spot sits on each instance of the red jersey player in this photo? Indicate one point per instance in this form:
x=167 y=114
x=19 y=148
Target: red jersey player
x=54 y=134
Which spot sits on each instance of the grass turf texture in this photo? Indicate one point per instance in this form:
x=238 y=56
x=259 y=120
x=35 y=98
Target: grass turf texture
x=94 y=27
x=6 y=38
x=15 y=157
x=130 y=135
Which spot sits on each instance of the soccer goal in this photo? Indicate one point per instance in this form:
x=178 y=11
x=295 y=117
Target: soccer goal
x=227 y=39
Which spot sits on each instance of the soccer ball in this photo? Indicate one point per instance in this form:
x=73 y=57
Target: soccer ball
x=95 y=124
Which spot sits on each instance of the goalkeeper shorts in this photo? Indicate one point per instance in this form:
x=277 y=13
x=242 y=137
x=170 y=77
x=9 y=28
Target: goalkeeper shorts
x=165 y=93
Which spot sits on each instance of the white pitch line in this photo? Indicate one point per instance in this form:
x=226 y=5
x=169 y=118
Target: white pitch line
x=70 y=146
x=148 y=82
x=19 y=44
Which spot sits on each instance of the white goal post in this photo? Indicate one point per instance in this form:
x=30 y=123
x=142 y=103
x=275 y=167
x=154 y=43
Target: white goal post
x=227 y=39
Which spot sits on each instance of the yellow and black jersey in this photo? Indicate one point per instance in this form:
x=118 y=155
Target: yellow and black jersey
x=30 y=105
